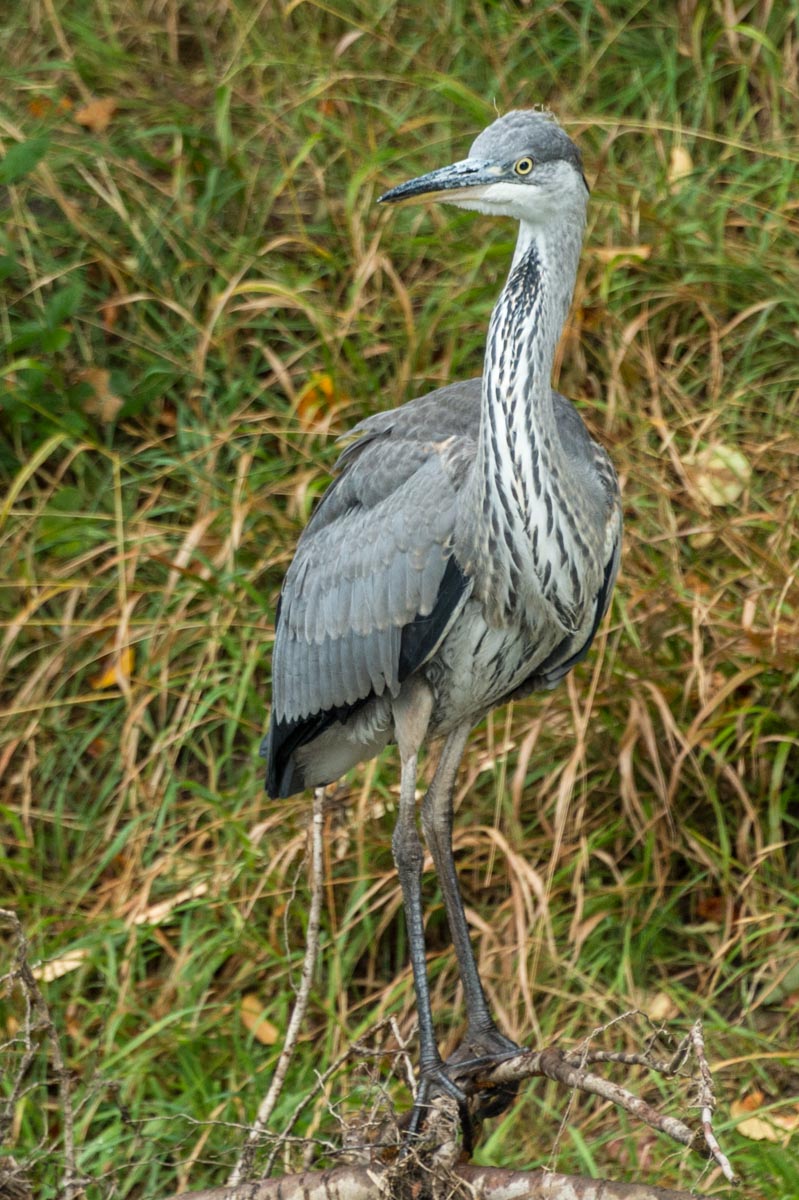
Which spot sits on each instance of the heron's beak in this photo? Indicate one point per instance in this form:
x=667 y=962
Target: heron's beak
x=467 y=178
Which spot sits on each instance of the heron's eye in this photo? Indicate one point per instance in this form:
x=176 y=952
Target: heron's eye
x=524 y=166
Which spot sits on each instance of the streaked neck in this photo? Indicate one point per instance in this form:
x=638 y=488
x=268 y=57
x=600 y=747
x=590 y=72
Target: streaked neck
x=519 y=458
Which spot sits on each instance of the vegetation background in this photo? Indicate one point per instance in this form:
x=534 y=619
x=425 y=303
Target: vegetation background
x=198 y=294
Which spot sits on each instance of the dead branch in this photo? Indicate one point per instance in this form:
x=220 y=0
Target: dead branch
x=244 y=1163
x=38 y=1025
x=562 y=1068
x=476 y=1183
x=707 y=1101
x=433 y=1171
x=433 y=1164
x=554 y=1064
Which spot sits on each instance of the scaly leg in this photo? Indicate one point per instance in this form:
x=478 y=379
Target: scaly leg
x=483 y=1043
x=411 y=718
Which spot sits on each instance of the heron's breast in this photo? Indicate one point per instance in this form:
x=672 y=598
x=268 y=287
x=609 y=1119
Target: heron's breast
x=477 y=665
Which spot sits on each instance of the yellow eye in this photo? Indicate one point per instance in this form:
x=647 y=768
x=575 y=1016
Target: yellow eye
x=524 y=166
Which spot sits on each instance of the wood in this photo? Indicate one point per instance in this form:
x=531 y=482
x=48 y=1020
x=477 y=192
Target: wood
x=478 y=1183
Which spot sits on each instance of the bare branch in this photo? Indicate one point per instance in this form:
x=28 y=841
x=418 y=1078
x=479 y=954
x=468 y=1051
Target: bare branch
x=38 y=1020
x=480 y=1183
x=259 y=1125
x=555 y=1065
x=570 y=1068
x=707 y=1103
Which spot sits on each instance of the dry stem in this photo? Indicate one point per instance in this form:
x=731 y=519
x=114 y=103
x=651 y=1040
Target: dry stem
x=38 y=1020
x=267 y=1105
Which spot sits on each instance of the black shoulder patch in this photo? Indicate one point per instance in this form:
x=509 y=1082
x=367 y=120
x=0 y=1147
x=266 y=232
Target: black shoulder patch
x=419 y=639
x=421 y=636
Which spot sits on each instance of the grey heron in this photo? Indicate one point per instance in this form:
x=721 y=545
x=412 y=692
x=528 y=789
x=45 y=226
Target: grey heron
x=464 y=555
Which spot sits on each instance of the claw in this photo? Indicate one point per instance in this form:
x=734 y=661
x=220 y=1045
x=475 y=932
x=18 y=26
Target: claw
x=434 y=1080
x=478 y=1052
x=457 y=1077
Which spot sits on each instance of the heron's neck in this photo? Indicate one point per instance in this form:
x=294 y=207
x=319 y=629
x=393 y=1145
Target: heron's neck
x=519 y=457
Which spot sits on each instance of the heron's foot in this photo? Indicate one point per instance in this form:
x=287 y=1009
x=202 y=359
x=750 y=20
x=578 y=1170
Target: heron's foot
x=475 y=1057
x=461 y=1078
x=433 y=1082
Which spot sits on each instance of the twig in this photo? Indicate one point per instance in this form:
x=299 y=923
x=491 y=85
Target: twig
x=37 y=1017
x=554 y=1064
x=358 y=1049
x=560 y=1067
x=245 y=1159
x=707 y=1103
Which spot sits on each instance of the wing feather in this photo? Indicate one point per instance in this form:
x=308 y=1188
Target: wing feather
x=371 y=560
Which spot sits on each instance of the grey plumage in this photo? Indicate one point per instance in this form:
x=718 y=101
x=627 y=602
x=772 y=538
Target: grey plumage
x=465 y=553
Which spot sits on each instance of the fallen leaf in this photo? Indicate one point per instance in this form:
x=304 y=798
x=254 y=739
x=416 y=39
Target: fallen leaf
x=97 y=114
x=318 y=403
x=117 y=673
x=252 y=1015
x=54 y=968
x=43 y=106
x=608 y=254
x=711 y=908
x=155 y=914
x=102 y=403
x=719 y=472
x=759 y=1130
x=770 y=1127
x=680 y=165
x=749 y=1103
x=661 y=1007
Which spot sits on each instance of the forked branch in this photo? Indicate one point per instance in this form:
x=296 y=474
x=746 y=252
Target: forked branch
x=465 y=1182
x=431 y=1167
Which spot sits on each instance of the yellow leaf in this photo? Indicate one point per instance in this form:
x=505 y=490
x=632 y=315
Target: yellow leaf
x=97 y=114
x=54 y=968
x=770 y=1127
x=720 y=473
x=118 y=671
x=318 y=404
x=252 y=1015
x=680 y=165
x=102 y=403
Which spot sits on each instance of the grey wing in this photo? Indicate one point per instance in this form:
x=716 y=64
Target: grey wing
x=370 y=562
x=374 y=586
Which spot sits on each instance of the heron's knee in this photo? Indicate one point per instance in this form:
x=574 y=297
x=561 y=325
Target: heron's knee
x=407 y=848
x=436 y=820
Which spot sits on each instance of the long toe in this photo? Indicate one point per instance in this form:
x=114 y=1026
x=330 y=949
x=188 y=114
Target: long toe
x=474 y=1058
x=433 y=1082
x=460 y=1078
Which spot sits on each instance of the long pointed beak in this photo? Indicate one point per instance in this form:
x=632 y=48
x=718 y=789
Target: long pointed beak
x=468 y=176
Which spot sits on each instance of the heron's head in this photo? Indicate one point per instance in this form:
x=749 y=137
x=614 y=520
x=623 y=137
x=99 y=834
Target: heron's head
x=522 y=166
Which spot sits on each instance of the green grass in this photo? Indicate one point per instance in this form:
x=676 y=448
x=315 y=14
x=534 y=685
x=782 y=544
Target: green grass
x=193 y=303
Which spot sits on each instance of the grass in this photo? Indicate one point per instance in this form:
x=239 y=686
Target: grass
x=195 y=300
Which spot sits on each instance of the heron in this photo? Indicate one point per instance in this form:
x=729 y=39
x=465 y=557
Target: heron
x=464 y=555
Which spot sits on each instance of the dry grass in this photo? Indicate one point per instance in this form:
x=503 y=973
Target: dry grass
x=213 y=259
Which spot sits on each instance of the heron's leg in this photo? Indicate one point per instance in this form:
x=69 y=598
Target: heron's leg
x=411 y=717
x=483 y=1039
